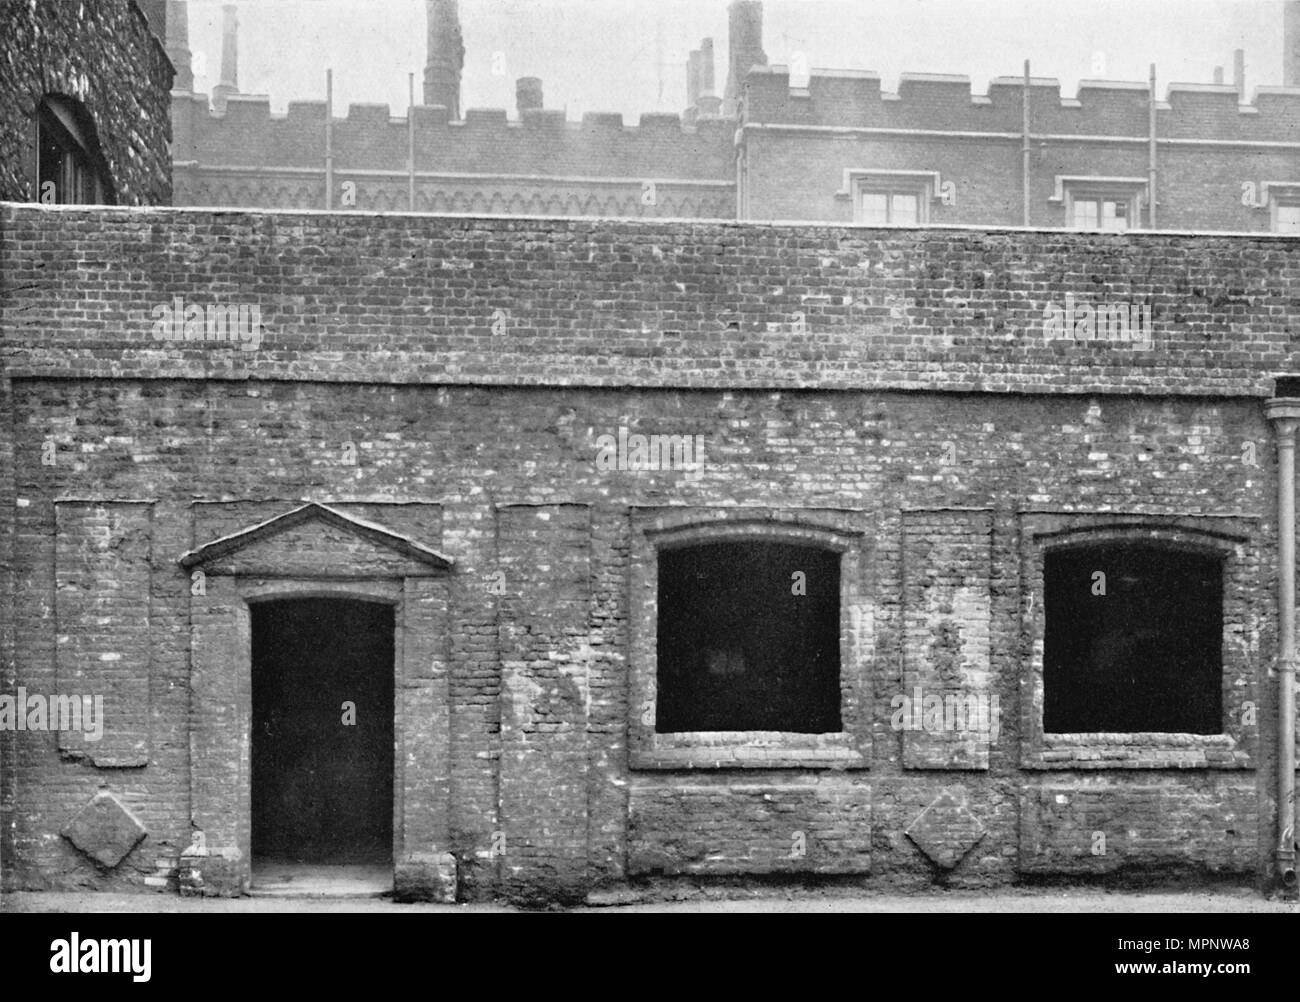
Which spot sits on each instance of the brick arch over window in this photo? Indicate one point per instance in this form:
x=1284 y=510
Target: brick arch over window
x=710 y=587
x=70 y=164
x=1140 y=648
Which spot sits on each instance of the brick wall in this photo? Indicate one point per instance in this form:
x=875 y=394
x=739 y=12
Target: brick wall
x=380 y=335
x=642 y=303
x=106 y=56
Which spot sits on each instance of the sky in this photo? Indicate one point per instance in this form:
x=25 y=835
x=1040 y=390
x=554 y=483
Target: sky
x=630 y=56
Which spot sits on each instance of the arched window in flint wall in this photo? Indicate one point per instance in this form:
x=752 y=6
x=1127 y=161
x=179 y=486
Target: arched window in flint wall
x=70 y=167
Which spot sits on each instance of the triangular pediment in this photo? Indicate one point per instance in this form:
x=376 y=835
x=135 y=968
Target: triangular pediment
x=314 y=540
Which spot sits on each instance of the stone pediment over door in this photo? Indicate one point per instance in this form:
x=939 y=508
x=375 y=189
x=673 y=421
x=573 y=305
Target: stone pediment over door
x=316 y=540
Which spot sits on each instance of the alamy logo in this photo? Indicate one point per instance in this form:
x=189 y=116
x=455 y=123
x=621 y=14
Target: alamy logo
x=240 y=324
x=950 y=712
x=52 y=713
x=1129 y=322
x=75 y=955
x=651 y=452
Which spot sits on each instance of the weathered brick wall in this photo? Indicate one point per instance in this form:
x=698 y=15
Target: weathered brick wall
x=457 y=443
x=642 y=303
x=105 y=55
x=373 y=341
x=544 y=559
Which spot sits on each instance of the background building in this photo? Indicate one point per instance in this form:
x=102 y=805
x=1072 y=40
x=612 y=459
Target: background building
x=828 y=146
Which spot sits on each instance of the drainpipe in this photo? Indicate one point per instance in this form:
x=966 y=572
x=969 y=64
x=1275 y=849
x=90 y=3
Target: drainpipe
x=410 y=141
x=329 y=139
x=1024 y=144
x=1284 y=412
x=1151 y=154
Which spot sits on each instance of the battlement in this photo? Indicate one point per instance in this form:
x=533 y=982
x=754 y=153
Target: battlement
x=486 y=140
x=941 y=102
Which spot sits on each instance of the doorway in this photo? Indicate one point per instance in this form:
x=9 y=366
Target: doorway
x=322 y=738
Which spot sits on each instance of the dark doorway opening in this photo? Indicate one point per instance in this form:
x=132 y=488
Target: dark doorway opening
x=322 y=748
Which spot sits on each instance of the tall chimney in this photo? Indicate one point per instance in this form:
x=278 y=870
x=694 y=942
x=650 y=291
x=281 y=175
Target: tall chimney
x=1239 y=72
x=693 y=79
x=446 y=56
x=178 y=44
x=707 y=102
x=1291 y=44
x=528 y=94
x=744 y=50
x=229 y=83
x=706 y=68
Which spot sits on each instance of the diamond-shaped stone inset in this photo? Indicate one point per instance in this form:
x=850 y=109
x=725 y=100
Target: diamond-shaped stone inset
x=105 y=830
x=945 y=831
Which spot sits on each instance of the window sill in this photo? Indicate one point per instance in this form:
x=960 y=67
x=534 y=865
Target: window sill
x=1143 y=750
x=748 y=750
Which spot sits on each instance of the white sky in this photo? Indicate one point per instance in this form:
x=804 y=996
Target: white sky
x=630 y=55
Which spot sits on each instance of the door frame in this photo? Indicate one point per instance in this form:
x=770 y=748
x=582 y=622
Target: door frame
x=349 y=592
x=221 y=721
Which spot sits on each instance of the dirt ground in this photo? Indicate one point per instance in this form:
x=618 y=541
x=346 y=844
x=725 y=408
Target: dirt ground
x=1006 y=901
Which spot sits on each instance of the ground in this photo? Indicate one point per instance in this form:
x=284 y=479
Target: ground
x=1007 y=901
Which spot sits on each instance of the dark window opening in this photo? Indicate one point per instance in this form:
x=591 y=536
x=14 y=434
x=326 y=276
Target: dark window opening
x=322 y=787
x=70 y=168
x=739 y=648
x=1133 y=640
x=1286 y=386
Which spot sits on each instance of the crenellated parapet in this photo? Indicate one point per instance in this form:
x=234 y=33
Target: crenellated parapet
x=941 y=102
x=542 y=142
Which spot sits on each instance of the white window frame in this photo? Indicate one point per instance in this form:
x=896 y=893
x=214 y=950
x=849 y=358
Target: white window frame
x=1278 y=194
x=924 y=185
x=1129 y=191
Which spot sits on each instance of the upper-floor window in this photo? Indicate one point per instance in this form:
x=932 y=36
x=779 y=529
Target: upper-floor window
x=1286 y=214
x=1098 y=212
x=890 y=208
x=1108 y=204
x=890 y=197
x=70 y=168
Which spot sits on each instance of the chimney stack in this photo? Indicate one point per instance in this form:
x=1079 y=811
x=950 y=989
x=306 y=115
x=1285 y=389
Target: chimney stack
x=445 y=58
x=1218 y=74
x=178 y=44
x=1239 y=72
x=1291 y=44
x=708 y=102
x=229 y=82
x=744 y=50
x=528 y=94
x=693 y=79
x=700 y=96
